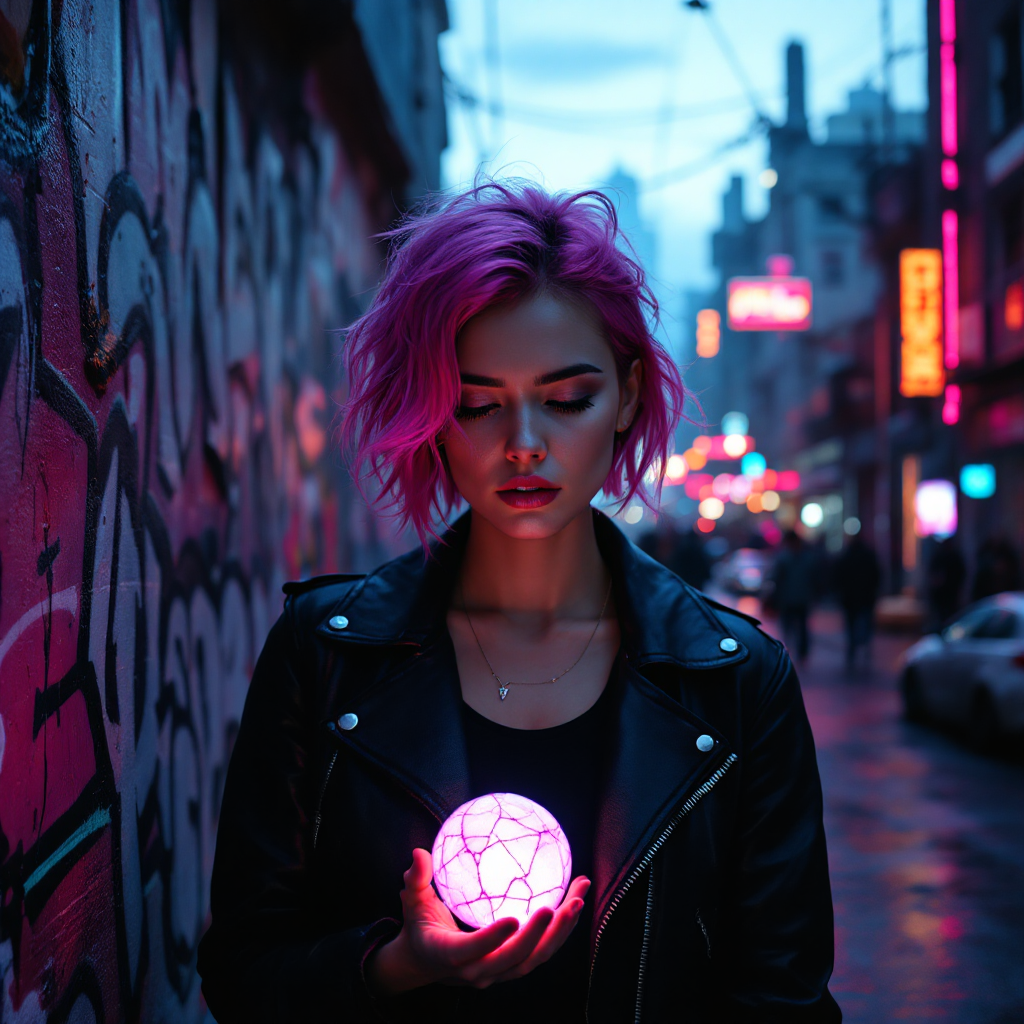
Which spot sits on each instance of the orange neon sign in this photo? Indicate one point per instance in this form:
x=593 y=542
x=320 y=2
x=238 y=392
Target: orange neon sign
x=708 y=333
x=921 y=361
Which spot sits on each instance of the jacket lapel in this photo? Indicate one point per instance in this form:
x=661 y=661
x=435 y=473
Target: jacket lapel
x=654 y=764
x=410 y=727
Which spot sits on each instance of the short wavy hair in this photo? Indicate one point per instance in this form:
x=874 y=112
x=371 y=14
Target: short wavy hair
x=493 y=245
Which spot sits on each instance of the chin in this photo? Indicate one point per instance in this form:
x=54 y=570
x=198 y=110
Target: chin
x=529 y=524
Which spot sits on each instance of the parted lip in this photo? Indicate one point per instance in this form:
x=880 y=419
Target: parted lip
x=528 y=481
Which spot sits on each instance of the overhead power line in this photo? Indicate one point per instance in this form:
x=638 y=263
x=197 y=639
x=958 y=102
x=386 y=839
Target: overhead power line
x=590 y=120
x=702 y=163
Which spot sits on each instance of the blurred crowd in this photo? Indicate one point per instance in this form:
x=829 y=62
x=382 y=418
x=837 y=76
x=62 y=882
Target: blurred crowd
x=790 y=579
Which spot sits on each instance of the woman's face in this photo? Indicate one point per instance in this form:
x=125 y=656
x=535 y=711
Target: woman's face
x=541 y=404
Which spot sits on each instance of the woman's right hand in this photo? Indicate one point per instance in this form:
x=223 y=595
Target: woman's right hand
x=431 y=947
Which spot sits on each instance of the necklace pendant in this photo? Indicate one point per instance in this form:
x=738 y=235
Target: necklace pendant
x=502 y=692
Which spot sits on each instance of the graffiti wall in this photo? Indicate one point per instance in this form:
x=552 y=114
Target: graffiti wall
x=172 y=262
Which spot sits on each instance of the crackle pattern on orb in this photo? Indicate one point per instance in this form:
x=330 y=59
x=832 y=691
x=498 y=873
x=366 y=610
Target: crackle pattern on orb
x=500 y=855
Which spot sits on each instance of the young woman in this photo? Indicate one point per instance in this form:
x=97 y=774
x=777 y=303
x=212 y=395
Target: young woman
x=507 y=361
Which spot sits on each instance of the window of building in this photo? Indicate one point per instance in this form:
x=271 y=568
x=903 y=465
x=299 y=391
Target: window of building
x=833 y=271
x=1006 y=93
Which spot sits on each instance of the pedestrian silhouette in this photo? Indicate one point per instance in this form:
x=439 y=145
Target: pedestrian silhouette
x=944 y=581
x=857 y=579
x=794 y=577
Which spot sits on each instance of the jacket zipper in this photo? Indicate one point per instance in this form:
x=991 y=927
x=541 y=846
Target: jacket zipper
x=694 y=798
x=320 y=802
x=646 y=943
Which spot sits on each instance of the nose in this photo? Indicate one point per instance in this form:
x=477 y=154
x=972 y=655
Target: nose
x=525 y=443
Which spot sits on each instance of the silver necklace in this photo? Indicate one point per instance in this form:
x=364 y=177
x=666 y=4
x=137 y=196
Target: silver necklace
x=504 y=684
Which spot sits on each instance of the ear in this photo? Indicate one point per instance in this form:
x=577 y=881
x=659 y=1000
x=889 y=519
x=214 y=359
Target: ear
x=629 y=396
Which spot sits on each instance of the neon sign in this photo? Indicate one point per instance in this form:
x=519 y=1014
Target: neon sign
x=935 y=509
x=950 y=173
x=921 y=369
x=951 y=285
x=708 y=333
x=769 y=304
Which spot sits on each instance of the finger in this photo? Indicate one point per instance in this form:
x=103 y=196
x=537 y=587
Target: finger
x=562 y=924
x=421 y=871
x=468 y=947
x=515 y=951
x=578 y=888
x=565 y=920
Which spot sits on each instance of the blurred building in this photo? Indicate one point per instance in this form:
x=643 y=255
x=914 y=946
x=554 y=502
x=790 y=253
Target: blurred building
x=811 y=396
x=975 y=173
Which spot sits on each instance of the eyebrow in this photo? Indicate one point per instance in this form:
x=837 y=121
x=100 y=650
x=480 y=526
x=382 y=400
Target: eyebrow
x=576 y=370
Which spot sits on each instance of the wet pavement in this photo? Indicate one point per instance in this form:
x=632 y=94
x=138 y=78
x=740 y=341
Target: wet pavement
x=926 y=846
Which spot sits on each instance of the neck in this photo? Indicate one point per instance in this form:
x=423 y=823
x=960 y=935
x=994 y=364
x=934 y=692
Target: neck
x=559 y=576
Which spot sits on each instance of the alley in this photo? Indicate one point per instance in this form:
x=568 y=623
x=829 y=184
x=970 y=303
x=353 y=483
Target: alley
x=926 y=844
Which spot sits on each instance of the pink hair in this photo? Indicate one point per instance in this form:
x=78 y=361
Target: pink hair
x=493 y=245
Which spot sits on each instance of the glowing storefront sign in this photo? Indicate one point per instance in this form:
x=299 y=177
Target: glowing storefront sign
x=769 y=304
x=978 y=480
x=935 y=509
x=921 y=370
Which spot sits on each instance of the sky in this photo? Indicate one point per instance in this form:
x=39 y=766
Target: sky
x=569 y=91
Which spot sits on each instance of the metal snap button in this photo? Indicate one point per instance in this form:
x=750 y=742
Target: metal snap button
x=337 y=622
x=348 y=722
x=728 y=644
x=705 y=743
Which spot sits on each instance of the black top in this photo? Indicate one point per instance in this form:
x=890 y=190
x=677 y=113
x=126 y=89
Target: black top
x=561 y=769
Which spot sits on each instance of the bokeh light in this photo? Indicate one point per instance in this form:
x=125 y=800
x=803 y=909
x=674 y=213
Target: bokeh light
x=735 y=423
x=634 y=514
x=676 y=469
x=753 y=465
x=754 y=503
x=705 y=525
x=734 y=445
x=695 y=458
x=712 y=508
x=739 y=489
x=851 y=527
x=702 y=443
x=812 y=515
x=722 y=486
x=770 y=501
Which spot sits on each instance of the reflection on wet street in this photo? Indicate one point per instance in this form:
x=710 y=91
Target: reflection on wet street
x=926 y=845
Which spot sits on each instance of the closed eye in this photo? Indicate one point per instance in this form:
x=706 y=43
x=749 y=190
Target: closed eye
x=475 y=412
x=573 y=405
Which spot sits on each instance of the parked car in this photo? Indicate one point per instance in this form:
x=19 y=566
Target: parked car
x=744 y=571
x=972 y=674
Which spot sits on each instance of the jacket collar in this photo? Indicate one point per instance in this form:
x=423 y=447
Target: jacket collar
x=663 y=619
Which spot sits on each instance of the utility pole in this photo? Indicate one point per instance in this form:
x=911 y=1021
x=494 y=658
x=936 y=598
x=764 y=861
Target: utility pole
x=492 y=55
x=888 y=134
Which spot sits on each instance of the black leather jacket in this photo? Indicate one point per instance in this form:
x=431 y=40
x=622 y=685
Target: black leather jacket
x=711 y=888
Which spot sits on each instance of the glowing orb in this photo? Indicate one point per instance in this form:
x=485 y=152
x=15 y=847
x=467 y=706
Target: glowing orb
x=500 y=855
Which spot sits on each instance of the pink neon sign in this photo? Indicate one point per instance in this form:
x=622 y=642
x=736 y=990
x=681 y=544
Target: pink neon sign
x=769 y=304
x=951 y=286
x=947 y=92
x=951 y=405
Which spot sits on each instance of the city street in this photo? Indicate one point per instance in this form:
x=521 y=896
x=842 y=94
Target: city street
x=926 y=845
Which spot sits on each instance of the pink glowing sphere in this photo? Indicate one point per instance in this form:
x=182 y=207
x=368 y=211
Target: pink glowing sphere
x=500 y=855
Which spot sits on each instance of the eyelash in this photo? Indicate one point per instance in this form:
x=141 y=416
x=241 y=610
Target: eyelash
x=479 y=412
